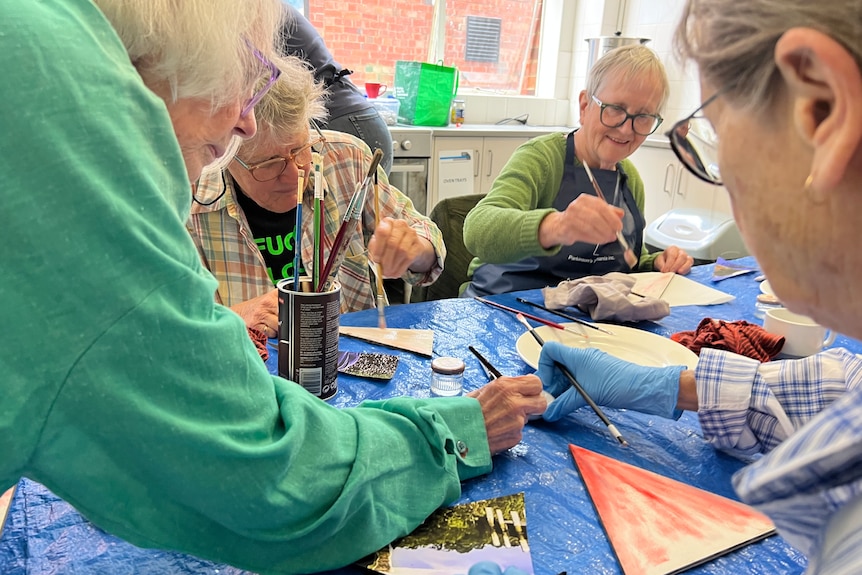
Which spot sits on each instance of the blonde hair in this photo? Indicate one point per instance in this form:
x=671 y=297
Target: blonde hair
x=733 y=42
x=289 y=107
x=197 y=47
x=633 y=61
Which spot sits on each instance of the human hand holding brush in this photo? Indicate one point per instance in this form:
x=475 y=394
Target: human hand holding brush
x=586 y=219
x=397 y=247
x=609 y=381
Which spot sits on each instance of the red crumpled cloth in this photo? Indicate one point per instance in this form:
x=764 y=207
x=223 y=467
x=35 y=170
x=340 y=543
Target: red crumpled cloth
x=259 y=339
x=740 y=337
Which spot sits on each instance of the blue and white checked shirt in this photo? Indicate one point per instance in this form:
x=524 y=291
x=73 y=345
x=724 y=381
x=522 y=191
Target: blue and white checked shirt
x=806 y=415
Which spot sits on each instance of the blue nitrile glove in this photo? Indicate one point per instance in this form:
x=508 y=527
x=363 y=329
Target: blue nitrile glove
x=611 y=382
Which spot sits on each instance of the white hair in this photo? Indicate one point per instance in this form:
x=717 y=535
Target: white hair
x=733 y=42
x=198 y=48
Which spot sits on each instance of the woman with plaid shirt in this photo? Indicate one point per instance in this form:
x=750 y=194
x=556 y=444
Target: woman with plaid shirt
x=243 y=216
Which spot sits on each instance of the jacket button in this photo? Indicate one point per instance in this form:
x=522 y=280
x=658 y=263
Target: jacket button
x=462 y=448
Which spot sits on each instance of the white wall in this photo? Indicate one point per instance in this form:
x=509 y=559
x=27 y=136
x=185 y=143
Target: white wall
x=563 y=68
x=657 y=19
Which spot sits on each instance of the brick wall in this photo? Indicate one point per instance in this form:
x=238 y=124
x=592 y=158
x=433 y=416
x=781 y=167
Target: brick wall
x=368 y=36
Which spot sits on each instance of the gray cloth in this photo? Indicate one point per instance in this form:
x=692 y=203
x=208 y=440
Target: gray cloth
x=607 y=297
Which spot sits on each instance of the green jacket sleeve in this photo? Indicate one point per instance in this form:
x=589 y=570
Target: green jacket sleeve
x=147 y=406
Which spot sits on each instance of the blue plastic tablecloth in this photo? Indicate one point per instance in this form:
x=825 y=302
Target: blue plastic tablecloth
x=44 y=535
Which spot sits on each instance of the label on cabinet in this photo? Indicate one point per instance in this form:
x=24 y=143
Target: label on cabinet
x=454 y=173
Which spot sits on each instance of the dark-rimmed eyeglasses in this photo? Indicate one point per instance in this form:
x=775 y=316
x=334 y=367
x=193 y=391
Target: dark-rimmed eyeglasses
x=273 y=167
x=274 y=73
x=695 y=143
x=613 y=116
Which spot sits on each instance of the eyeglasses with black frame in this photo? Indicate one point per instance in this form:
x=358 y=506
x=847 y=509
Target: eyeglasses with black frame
x=695 y=143
x=274 y=73
x=613 y=116
x=273 y=167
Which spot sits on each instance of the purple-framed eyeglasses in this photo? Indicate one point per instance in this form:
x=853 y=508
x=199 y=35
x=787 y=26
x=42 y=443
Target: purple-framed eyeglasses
x=274 y=73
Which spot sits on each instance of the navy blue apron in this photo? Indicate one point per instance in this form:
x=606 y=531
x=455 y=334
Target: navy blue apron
x=579 y=259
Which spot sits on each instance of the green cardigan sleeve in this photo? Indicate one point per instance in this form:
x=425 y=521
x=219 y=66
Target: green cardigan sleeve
x=504 y=226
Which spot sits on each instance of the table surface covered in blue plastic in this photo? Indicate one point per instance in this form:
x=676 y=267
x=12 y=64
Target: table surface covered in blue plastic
x=45 y=535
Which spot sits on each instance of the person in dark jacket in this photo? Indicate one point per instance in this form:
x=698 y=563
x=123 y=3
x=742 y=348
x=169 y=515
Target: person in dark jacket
x=349 y=110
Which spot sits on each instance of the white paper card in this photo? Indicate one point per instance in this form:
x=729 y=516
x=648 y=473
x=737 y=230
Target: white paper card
x=680 y=290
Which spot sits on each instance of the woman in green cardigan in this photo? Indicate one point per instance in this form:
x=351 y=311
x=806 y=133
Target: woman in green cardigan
x=542 y=221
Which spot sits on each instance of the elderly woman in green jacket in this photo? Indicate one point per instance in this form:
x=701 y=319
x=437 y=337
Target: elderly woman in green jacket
x=543 y=222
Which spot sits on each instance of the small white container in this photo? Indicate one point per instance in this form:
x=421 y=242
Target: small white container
x=388 y=109
x=447 y=376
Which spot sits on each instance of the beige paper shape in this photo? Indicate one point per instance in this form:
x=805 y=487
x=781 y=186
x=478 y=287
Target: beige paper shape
x=5 y=503
x=654 y=286
x=419 y=341
x=679 y=290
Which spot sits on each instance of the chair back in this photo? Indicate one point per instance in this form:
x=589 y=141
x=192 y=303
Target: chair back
x=449 y=216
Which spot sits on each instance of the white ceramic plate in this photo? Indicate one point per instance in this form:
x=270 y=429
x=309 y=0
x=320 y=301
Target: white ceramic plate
x=766 y=287
x=634 y=345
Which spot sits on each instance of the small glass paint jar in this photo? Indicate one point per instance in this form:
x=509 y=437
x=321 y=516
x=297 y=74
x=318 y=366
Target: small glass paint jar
x=447 y=376
x=459 y=107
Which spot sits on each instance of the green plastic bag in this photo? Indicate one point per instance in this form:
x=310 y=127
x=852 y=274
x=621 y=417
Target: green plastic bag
x=425 y=92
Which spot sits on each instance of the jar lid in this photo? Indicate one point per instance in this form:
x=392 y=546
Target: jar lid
x=447 y=365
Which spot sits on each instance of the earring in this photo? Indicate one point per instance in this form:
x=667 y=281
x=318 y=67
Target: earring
x=812 y=193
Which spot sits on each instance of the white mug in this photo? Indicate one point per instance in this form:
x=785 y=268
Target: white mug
x=802 y=336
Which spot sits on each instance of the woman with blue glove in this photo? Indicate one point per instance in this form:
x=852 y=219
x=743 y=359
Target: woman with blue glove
x=782 y=93
x=611 y=382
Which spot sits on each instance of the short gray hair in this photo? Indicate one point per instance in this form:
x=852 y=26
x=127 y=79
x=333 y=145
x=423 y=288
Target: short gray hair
x=632 y=61
x=290 y=106
x=197 y=47
x=733 y=42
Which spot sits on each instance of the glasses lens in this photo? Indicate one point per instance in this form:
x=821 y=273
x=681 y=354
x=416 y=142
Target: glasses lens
x=269 y=170
x=645 y=124
x=696 y=144
x=302 y=156
x=613 y=116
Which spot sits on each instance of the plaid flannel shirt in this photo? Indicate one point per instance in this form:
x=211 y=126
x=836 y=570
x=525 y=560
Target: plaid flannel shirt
x=226 y=245
x=807 y=414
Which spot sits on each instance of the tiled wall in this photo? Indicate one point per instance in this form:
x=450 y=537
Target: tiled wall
x=655 y=19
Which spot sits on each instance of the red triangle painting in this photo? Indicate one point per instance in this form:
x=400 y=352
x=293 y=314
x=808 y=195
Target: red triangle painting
x=658 y=526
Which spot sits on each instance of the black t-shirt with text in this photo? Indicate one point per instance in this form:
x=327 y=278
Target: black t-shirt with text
x=273 y=234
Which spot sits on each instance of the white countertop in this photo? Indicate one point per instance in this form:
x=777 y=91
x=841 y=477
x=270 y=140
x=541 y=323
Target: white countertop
x=469 y=130
x=483 y=130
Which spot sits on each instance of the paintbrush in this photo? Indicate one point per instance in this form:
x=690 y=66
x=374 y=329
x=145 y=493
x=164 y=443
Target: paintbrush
x=381 y=295
x=491 y=371
x=353 y=212
x=297 y=230
x=598 y=410
x=317 y=256
x=565 y=315
x=628 y=254
x=546 y=322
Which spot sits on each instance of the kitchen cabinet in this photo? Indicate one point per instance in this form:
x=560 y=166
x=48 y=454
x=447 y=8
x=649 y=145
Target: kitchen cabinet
x=468 y=164
x=669 y=185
